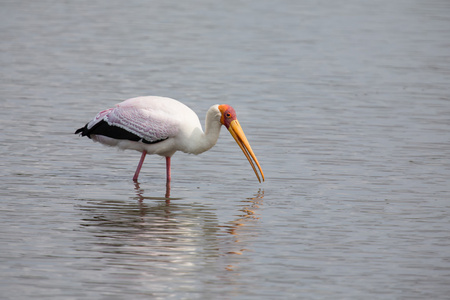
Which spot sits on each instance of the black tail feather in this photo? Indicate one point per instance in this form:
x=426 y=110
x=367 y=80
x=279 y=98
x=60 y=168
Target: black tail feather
x=83 y=131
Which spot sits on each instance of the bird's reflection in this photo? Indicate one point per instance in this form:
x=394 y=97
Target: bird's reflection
x=237 y=228
x=184 y=234
x=140 y=194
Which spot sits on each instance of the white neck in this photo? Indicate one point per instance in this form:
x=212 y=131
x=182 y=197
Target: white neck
x=203 y=141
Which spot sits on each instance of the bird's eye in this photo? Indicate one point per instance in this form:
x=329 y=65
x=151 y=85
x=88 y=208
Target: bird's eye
x=228 y=115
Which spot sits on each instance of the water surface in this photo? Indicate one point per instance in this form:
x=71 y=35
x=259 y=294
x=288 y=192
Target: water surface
x=346 y=106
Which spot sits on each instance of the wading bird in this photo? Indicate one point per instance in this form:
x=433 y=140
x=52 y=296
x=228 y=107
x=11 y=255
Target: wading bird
x=159 y=125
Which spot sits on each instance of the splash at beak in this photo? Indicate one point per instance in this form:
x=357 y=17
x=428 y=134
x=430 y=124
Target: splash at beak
x=238 y=134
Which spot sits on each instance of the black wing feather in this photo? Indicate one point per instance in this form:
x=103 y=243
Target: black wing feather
x=115 y=132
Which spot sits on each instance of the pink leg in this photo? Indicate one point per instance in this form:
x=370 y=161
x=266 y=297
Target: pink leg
x=138 y=169
x=168 y=177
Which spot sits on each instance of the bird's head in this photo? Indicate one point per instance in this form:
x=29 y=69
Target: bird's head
x=229 y=120
x=227 y=115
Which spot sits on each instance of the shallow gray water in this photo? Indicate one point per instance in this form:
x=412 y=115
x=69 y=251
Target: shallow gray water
x=346 y=106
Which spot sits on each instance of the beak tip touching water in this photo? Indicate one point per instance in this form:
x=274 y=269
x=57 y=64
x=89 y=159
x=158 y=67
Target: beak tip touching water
x=240 y=138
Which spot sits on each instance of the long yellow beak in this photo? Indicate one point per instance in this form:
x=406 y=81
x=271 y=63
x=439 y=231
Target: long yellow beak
x=238 y=134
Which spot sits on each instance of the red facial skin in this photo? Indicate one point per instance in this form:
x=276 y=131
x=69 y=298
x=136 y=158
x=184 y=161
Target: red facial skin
x=228 y=115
